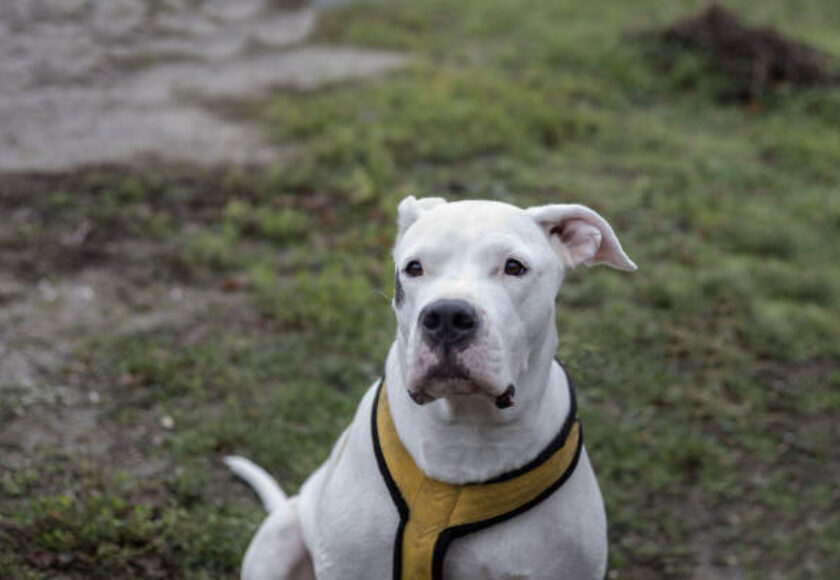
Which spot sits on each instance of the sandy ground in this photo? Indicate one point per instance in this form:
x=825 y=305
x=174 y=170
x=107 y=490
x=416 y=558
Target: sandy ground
x=89 y=82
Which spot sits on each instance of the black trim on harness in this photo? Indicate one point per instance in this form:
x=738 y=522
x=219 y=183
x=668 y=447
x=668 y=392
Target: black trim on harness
x=448 y=535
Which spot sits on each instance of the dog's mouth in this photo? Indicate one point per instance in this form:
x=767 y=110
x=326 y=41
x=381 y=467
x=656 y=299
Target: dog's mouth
x=452 y=379
x=505 y=400
x=479 y=368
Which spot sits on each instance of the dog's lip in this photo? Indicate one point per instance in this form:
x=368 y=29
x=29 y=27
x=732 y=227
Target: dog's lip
x=420 y=397
x=504 y=400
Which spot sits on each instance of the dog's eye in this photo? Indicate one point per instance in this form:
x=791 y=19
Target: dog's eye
x=414 y=269
x=514 y=268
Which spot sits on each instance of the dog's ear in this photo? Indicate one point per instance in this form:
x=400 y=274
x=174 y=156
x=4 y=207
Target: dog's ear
x=410 y=209
x=580 y=236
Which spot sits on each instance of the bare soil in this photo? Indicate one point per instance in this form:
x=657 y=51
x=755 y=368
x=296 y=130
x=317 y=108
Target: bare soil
x=98 y=82
x=755 y=60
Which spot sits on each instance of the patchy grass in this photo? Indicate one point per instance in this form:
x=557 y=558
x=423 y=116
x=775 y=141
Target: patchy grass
x=708 y=380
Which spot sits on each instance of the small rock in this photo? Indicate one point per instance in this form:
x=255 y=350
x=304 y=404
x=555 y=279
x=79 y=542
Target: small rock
x=167 y=422
x=48 y=291
x=731 y=560
x=86 y=293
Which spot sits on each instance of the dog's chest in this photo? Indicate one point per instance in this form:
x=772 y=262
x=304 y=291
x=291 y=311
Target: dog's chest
x=357 y=542
x=351 y=524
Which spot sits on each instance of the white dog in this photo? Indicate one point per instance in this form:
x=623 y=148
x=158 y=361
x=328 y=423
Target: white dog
x=466 y=460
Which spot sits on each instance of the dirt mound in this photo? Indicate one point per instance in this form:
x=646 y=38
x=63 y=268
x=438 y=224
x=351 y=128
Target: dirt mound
x=753 y=60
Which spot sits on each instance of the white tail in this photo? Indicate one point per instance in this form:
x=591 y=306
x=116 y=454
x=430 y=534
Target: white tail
x=268 y=490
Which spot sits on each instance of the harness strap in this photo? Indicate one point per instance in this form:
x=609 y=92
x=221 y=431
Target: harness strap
x=433 y=513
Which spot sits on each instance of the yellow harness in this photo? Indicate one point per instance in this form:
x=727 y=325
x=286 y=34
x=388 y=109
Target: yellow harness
x=433 y=513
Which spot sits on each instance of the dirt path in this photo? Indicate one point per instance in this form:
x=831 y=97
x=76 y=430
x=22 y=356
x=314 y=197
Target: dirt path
x=89 y=82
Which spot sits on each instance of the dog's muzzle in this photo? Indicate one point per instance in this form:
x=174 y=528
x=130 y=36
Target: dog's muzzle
x=450 y=329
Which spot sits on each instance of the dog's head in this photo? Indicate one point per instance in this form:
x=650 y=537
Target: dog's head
x=475 y=288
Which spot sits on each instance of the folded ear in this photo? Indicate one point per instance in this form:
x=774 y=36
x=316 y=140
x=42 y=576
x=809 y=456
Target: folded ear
x=410 y=209
x=580 y=236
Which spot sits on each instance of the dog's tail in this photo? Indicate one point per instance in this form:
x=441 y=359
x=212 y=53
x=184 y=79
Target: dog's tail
x=268 y=490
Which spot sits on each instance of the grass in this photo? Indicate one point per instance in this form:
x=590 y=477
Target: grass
x=708 y=380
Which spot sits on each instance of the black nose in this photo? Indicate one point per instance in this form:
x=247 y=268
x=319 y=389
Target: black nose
x=449 y=322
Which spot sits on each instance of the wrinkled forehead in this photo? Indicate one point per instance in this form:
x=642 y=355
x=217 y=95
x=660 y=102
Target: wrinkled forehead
x=462 y=224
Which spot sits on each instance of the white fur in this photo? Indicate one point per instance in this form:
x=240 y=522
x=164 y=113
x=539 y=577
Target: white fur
x=342 y=524
x=270 y=493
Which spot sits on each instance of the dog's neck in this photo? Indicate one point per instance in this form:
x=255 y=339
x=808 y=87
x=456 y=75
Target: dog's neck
x=465 y=439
